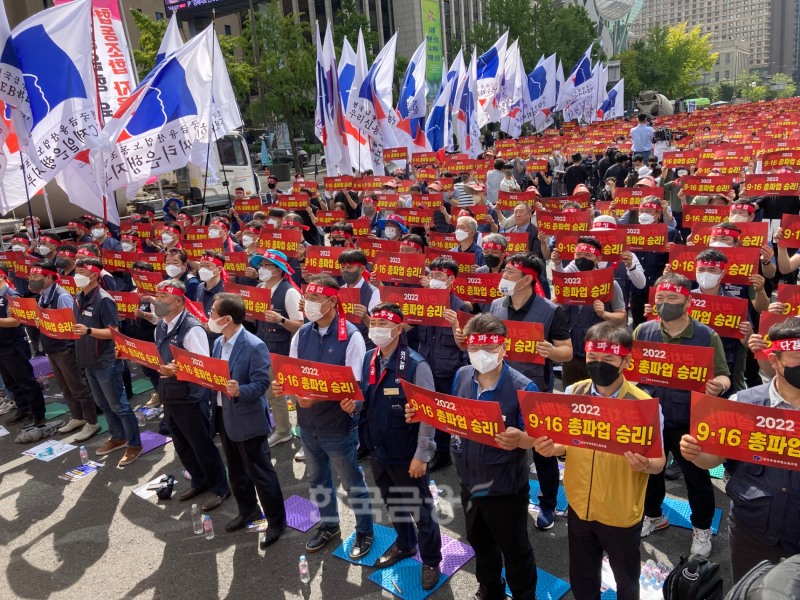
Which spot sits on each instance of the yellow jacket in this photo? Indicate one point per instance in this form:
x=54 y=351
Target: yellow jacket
x=600 y=486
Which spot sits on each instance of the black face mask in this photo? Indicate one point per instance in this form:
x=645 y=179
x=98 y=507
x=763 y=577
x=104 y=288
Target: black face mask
x=272 y=186
x=335 y=242
x=792 y=375
x=36 y=285
x=584 y=264
x=602 y=374
x=492 y=261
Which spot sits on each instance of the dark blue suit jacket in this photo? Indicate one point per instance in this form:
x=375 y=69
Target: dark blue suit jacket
x=245 y=416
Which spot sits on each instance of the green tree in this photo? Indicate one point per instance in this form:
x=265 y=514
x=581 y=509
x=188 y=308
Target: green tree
x=151 y=32
x=400 y=68
x=569 y=33
x=781 y=85
x=724 y=91
x=287 y=67
x=347 y=22
x=751 y=87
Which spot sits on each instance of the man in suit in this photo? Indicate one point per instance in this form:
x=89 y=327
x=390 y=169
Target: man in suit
x=241 y=419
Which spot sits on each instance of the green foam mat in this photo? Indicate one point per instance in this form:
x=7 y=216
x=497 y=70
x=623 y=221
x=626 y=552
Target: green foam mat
x=55 y=409
x=140 y=386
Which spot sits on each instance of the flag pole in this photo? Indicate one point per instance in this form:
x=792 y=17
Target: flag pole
x=27 y=193
x=100 y=118
x=47 y=207
x=211 y=112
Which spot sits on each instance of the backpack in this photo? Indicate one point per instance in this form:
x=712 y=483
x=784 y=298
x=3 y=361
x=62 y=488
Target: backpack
x=694 y=578
x=767 y=581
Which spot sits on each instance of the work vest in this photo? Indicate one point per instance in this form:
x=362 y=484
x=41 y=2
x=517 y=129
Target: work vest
x=91 y=352
x=170 y=389
x=277 y=338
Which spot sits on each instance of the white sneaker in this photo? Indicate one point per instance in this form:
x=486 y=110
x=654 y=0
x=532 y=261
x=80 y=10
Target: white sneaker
x=87 y=431
x=701 y=542
x=300 y=456
x=650 y=525
x=72 y=425
x=7 y=405
x=274 y=439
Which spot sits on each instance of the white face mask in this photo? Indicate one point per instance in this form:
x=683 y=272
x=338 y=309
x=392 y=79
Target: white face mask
x=43 y=250
x=214 y=325
x=205 y=274
x=437 y=284
x=82 y=280
x=264 y=274
x=98 y=233
x=646 y=219
x=719 y=245
x=166 y=238
x=381 y=336
x=507 y=287
x=461 y=235
x=738 y=218
x=609 y=187
x=173 y=270
x=214 y=233
x=682 y=173
x=273 y=222
x=392 y=233
x=708 y=280
x=484 y=361
x=18 y=248
x=247 y=240
x=127 y=246
x=313 y=311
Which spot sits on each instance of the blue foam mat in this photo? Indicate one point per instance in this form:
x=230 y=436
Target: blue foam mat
x=548 y=586
x=383 y=537
x=717 y=472
x=404 y=580
x=561 y=501
x=678 y=512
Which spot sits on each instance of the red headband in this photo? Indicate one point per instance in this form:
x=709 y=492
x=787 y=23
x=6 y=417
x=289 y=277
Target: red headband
x=410 y=244
x=76 y=225
x=91 y=268
x=388 y=315
x=568 y=211
x=221 y=224
x=673 y=287
x=67 y=253
x=790 y=345
x=290 y=224
x=493 y=246
x=604 y=225
x=315 y=288
x=443 y=270
x=85 y=252
x=41 y=271
x=650 y=206
x=50 y=240
x=485 y=339
x=346 y=234
x=722 y=231
x=525 y=270
x=171 y=228
x=171 y=289
x=20 y=239
x=212 y=259
x=587 y=248
x=606 y=348
x=711 y=263
x=748 y=207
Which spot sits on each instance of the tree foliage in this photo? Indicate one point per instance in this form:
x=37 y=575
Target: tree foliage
x=751 y=87
x=151 y=32
x=778 y=80
x=347 y=22
x=669 y=60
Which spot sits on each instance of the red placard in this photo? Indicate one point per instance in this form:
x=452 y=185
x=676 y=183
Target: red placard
x=211 y=373
x=754 y=234
x=399 y=268
x=478 y=287
x=236 y=263
x=256 y=299
x=292 y=202
x=630 y=198
x=555 y=223
x=194 y=250
x=441 y=241
x=156 y=259
x=750 y=433
x=421 y=306
x=287 y=241
x=118 y=261
x=610 y=425
x=127 y=303
x=724 y=166
x=557 y=204
x=24 y=310
x=349 y=297
x=143 y=230
x=776 y=160
x=319 y=381
x=767 y=320
x=395 y=154
x=371 y=183
x=509 y=200
x=676 y=160
x=247 y=206
x=671 y=365
x=475 y=420
x=195 y=233
x=68 y=283
x=337 y=184
x=326 y=218
x=139 y=351
x=612 y=240
x=425 y=158
x=324 y=259
x=521 y=341
x=420 y=217
x=517 y=242
x=371 y=247
x=465 y=260
x=361 y=227
x=780 y=184
x=57 y=323
x=742 y=262
x=583 y=287
x=146 y=282
x=22 y=263
x=789 y=296
x=646 y=238
x=298 y=186
x=702 y=213
x=431 y=200
x=791 y=231
x=694 y=185
x=722 y=313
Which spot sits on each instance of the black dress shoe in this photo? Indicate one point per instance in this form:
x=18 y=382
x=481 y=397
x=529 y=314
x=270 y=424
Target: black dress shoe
x=321 y=538
x=190 y=493
x=430 y=577
x=213 y=502
x=393 y=555
x=35 y=422
x=439 y=461
x=486 y=593
x=240 y=521
x=361 y=546
x=19 y=417
x=271 y=536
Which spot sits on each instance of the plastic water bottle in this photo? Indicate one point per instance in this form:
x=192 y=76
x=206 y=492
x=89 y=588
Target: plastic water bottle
x=644 y=578
x=84 y=455
x=305 y=573
x=141 y=418
x=46 y=452
x=197 y=520
x=434 y=492
x=208 y=527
